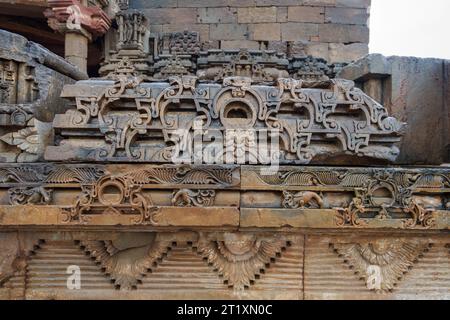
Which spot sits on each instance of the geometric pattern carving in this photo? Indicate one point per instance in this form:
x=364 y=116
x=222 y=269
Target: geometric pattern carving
x=382 y=264
x=136 y=121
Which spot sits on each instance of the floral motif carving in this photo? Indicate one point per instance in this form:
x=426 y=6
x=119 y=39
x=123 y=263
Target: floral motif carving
x=240 y=257
x=390 y=258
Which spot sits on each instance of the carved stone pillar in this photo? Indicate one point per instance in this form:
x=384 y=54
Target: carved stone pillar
x=80 y=24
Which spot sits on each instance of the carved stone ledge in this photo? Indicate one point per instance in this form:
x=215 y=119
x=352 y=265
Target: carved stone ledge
x=223 y=197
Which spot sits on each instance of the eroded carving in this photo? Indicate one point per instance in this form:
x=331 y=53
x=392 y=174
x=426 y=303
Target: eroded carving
x=240 y=257
x=304 y=199
x=191 y=198
x=382 y=264
x=299 y=116
x=126 y=267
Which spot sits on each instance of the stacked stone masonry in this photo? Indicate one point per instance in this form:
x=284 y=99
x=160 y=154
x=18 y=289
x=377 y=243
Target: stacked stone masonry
x=335 y=30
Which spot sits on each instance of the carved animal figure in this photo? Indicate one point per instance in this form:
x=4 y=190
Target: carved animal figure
x=301 y=200
x=22 y=196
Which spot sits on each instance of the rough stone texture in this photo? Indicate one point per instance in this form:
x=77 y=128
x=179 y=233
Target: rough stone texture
x=266 y=31
x=318 y=22
x=31 y=81
x=346 y=16
x=416 y=91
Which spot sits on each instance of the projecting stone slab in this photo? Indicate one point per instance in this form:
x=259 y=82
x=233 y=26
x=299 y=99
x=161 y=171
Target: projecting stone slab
x=31 y=80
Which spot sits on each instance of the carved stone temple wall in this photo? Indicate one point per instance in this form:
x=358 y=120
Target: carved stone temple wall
x=201 y=166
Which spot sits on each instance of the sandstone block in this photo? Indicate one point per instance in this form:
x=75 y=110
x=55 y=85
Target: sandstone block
x=339 y=52
x=353 y=3
x=229 y=32
x=217 y=15
x=298 y=31
x=266 y=31
x=306 y=14
x=215 y=3
x=343 y=33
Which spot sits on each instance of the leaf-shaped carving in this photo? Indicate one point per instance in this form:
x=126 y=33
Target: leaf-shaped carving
x=393 y=257
x=126 y=267
x=240 y=257
x=183 y=175
x=63 y=174
x=25 y=139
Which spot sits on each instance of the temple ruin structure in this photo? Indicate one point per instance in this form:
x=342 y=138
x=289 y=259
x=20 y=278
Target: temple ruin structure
x=218 y=150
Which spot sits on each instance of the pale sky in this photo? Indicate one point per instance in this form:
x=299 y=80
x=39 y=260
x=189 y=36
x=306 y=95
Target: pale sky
x=410 y=28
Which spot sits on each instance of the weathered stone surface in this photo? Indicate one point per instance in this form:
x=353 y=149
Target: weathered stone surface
x=306 y=14
x=346 y=53
x=413 y=89
x=169 y=15
x=116 y=132
x=293 y=31
x=346 y=16
x=217 y=15
x=257 y=15
x=244 y=44
x=229 y=32
x=343 y=33
x=31 y=81
x=261 y=231
x=266 y=31
x=266 y=21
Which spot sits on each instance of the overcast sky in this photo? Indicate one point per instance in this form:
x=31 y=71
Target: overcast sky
x=410 y=28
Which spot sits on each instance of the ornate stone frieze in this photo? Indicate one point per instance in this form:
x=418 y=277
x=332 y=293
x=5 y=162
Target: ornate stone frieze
x=239 y=257
x=134 y=120
x=131 y=46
